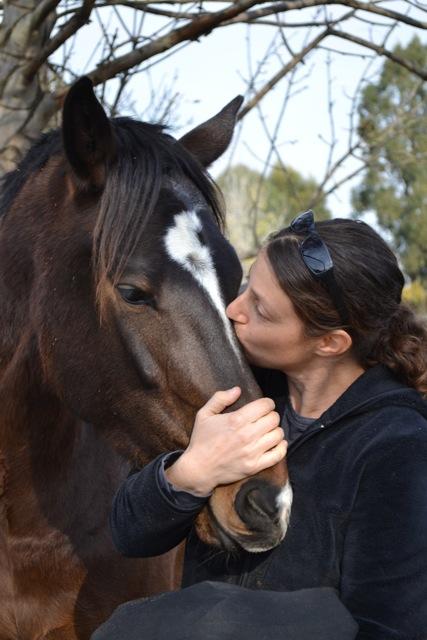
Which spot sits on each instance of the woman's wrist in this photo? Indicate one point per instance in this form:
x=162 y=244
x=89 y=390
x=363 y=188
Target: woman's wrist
x=184 y=475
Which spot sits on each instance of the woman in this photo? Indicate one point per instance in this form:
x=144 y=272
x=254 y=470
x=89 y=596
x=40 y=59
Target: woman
x=345 y=363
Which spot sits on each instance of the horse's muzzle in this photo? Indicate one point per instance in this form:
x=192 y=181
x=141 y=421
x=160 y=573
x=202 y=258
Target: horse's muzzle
x=264 y=509
x=257 y=520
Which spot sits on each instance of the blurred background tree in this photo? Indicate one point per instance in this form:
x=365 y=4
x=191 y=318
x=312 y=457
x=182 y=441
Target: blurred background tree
x=393 y=131
x=257 y=205
x=415 y=294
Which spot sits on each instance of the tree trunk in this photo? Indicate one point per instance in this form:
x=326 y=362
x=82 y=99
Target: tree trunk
x=26 y=105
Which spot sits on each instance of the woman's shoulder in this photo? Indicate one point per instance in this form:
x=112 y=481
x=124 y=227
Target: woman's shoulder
x=381 y=422
x=395 y=431
x=379 y=402
x=404 y=411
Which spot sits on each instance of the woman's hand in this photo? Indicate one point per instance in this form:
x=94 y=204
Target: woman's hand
x=226 y=447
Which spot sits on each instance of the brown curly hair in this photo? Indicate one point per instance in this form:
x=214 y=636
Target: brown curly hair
x=383 y=329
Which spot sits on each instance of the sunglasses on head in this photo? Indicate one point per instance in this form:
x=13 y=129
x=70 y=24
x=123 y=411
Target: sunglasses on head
x=317 y=259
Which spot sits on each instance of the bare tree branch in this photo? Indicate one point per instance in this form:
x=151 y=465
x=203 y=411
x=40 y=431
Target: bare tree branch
x=141 y=5
x=332 y=169
x=198 y=27
x=333 y=140
x=177 y=15
x=42 y=11
x=281 y=74
x=293 y=5
x=67 y=30
x=421 y=73
x=349 y=54
x=346 y=178
x=320 y=23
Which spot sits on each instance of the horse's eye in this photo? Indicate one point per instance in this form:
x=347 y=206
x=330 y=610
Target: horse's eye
x=136 y=296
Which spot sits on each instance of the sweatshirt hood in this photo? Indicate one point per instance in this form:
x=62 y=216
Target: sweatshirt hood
x=379 y=387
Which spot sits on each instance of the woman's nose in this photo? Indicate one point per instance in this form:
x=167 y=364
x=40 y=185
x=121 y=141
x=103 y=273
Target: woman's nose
x=235 y=310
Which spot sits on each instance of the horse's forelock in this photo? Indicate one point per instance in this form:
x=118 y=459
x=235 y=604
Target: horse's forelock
x=144 y=153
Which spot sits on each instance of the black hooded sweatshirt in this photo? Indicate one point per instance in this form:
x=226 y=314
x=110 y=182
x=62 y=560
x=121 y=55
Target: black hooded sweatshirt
x=359 y=515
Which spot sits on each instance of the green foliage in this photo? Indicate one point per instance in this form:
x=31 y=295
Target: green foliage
x=415 y=294
x=257 y=206
x=393 y=127
x=240 y=188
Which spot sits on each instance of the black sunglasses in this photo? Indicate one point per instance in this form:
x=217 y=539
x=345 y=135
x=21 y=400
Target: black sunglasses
x=318 y=260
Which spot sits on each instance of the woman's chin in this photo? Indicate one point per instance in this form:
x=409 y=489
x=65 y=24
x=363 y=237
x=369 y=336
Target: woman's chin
x=258 y=361
x=251 y=358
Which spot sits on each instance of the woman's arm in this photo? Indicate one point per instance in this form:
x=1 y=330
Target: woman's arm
x=147 y=520
x=384 y=568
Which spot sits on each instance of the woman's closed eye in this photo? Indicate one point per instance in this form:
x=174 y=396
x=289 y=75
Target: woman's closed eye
x=260 y=312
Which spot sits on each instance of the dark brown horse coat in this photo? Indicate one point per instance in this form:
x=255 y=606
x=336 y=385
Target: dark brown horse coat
x=114 y=274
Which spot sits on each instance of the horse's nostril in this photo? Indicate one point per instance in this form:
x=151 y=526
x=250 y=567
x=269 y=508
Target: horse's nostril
x=256 y=504
x=261 y=501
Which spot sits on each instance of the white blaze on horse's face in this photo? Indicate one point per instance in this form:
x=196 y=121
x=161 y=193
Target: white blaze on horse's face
x=284 y=503
x=184 y=246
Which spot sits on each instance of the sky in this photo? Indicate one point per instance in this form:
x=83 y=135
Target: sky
x=210 y=72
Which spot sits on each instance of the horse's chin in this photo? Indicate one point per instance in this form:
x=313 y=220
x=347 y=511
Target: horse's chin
x=213 y=533
x=252 y=544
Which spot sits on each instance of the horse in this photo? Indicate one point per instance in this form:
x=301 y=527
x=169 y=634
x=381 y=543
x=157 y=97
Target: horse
x=114 y=276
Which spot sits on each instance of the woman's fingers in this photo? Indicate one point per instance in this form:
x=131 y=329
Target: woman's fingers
x=250 y=412
x=273 y=456
x=254 y=410
x=219 y=401
x=270 y=440
x=263 y=425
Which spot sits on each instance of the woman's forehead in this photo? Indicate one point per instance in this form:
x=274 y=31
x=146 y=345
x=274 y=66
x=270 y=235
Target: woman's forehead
x=261 y=273
x=265 y=286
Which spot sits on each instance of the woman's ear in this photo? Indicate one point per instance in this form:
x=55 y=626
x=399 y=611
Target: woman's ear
x=334 y=343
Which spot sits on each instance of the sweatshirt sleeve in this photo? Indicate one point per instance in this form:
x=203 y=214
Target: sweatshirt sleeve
x=384 y=568
x=147 y=520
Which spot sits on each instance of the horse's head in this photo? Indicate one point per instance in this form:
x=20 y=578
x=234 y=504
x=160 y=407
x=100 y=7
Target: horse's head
x=128 y=275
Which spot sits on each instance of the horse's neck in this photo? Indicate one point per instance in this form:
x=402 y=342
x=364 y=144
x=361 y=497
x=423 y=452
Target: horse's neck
x=21 y=387
x=53 y=462
x=16 y=275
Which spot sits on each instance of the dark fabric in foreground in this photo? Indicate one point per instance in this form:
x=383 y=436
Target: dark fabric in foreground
x=219 y=611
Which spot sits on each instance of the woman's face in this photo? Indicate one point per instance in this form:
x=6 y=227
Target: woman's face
x=266 y=324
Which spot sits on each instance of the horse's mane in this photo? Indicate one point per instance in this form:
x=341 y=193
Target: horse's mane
x=48 y=145
x=144 y=153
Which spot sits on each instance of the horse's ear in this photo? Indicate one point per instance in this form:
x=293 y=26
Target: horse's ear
x=209 y=140
x=87 y=134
